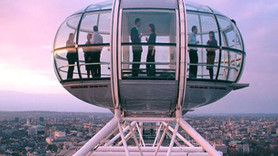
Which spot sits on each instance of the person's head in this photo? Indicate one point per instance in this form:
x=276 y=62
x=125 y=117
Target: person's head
x=71 y=36
x=95 y=28
x=211 y=35
x=89 y=37
x=194 y=29
x=151 y=28
x=138 y=22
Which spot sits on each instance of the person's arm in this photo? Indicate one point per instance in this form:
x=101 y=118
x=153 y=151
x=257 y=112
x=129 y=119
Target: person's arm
x=152 y=40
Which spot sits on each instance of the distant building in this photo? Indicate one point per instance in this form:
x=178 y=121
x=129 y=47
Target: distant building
x=36 y=130
x=245 y=148
x=222 y=148
x=16 y=119
x=59 y=134
x=41 y=119
x=240 y=146
x=242 y=120
x=28 y=121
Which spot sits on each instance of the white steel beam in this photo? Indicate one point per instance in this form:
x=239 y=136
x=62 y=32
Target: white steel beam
x=161 y=139
x=198 y=138
x=176 y=142
x=173 y=140
x=135 y=140
x=123 y=139
x=110 y=142
x=90 y=145
x=179 y=136
x=140 y=135
x=150 y=149
x=157 y=135
x=148 y=119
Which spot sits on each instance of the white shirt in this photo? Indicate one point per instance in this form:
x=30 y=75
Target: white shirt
x=192 y=40
x=96 y=38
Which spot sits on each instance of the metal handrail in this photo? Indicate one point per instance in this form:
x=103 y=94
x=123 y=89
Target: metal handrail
x=210 y=65
x=156 y=63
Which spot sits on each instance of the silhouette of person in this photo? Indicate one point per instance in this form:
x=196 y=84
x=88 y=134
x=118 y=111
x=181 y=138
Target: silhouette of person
x=193 y=55
x=136 y=48
x=88 y=55
x=211 y=53
x=97 y=39
x=71 y=55
x=151 y=51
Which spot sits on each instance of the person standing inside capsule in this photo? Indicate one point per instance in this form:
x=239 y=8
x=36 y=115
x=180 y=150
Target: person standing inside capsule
x=97 y=39
x=193 y=55
x=71 y=55
x=88 y=55
x=136 y=48
x=151 y=51
x=212 y=42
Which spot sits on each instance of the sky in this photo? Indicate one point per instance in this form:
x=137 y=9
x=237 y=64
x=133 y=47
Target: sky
x=28 y=82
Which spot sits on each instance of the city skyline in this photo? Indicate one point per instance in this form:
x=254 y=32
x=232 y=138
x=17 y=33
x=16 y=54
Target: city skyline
x=29 y=83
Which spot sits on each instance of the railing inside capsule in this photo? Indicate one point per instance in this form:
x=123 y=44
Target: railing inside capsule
x=226 y=66
x=62 y=64
x=161 y=66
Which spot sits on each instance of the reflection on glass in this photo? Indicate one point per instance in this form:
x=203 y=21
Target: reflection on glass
x=230 y=35
x=71 y=55
x=69 y=26
x=93 y=52
x=63 y=65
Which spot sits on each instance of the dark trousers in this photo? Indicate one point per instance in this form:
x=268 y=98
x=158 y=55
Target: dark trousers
x=193 y=69
x=136 y=59
x=96 y=68
x=72 y=58
x=150 y=67
x=211 y=73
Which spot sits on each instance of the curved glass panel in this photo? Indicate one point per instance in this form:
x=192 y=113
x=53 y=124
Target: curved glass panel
x=65 y=53
x=66 y=61
x=231 y=63
x=167 y=4
x=229 y=33
x=197 y=7
x=94 y=45
x=69 y=26
x=100 y=6
x=203 y=63
x=204 y=24
x=148 y=52
x=94 y=61
x=101 y=19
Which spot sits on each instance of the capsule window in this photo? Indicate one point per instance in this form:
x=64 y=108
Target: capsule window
x=65 y=53
x=94 y=45
x=148 y=44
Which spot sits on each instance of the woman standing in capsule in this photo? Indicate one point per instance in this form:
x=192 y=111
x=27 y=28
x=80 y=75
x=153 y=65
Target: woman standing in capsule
x=212 y=42
x=151 y=51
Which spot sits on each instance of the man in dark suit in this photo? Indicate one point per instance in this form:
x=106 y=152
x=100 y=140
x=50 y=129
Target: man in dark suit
x=137 y=49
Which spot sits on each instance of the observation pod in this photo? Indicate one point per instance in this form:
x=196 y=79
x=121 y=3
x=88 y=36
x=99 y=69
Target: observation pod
x=148 y=61
x=176 y=78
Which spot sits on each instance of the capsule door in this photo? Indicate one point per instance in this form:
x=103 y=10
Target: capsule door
x=148 y=61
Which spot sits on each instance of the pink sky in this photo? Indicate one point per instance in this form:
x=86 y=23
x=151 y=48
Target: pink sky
x=28 y=82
